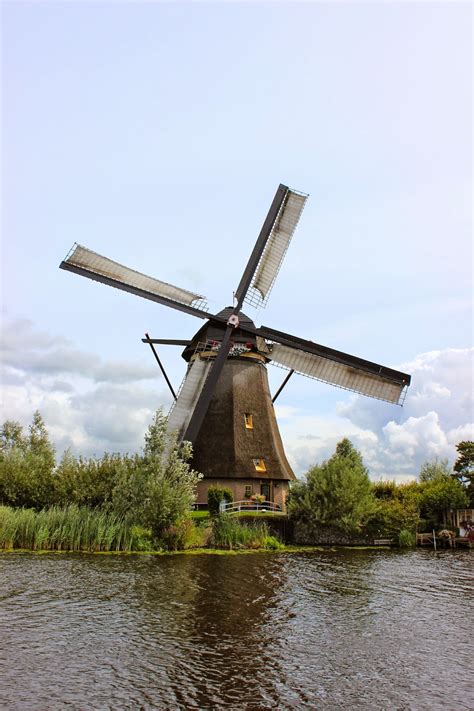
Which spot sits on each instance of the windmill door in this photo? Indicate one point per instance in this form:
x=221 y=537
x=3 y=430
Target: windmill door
x=266 y=490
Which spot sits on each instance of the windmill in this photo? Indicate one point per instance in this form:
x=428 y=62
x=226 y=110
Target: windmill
x=224 y=406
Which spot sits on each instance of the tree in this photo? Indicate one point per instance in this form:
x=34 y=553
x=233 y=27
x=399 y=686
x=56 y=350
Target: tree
x=464 y=467
x=434 y=470
x=39 y=443
x=26 y=464
x=346 y=450
x=159 y=487
x=439 y=491
x=87 y=481
x=337 y=493
x=11 y=436
x=397 y=509
x=215 y=494
x=464 y=464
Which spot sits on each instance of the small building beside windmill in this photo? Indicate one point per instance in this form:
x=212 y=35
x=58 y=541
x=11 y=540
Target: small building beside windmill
x=239 y=444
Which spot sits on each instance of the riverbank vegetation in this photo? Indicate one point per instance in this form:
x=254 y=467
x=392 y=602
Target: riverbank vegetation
x=145 y=498
x=70 y=528
x=229 y=532
x=127 y=503
x=338 y=496
x=143 y=501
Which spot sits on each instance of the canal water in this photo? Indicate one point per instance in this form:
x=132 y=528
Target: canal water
x=346 y=629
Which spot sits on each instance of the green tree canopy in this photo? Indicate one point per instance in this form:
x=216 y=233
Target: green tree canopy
x=464 y=467
x=439 y=491
x=11 y=436
x=87 y=481
x=464 y=464
x=337 y=493
x=434 y=470
x=159 y=487
x=26 y=464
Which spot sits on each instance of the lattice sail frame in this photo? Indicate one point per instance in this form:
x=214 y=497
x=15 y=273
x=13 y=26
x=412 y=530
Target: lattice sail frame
x=338 y=374
x=188 y=394
x=276 y=247
x=94 y=263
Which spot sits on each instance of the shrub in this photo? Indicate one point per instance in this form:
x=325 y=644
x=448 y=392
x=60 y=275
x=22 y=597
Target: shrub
x=87 y=481
x=392 y=516
x=182 y=535
x=158 y=488
x=436 y=496
x=272 y=543
x=151 y=490
x=215 y=494
x=385 y=490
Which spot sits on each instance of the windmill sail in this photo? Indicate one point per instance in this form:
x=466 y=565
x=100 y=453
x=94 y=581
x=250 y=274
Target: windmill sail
x=188 y=396
x=88 y=263
x=276 y=247
x=347 y=376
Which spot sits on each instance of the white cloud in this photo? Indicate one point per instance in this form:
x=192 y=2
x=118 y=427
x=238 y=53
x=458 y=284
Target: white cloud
x=438 y=413
x=25 y=350
x=95 y=405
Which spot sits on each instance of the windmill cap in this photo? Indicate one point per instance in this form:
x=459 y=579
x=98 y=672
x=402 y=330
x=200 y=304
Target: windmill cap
x=213 y=332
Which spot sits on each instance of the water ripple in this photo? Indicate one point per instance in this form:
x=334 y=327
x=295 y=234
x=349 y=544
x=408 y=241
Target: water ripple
x=337 y=629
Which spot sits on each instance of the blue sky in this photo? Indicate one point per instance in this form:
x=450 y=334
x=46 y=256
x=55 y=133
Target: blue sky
x=157 y=133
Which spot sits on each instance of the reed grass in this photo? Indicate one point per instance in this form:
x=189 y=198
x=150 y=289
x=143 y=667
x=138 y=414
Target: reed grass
x=70 y=528
x=228 y=532
x=406 y=538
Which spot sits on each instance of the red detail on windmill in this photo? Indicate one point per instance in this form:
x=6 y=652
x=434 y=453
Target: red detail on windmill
x=233 y=321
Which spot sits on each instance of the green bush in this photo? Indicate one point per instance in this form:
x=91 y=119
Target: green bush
x=272 y=543
x=439 y=494
x=87 y=481
x=152 y=490
x=215 y=494
x=393 y=516
x=385 y=490
x=183 y=535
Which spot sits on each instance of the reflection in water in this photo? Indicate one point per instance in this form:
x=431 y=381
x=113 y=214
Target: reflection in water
x=346 y=629
x=215 y=609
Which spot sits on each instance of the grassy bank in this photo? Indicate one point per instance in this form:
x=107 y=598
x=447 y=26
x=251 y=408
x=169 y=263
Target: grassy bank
x=69 y=528
x=79 y=528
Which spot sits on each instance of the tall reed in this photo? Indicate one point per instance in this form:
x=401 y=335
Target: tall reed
x=406 y=538
x=70 y=528
x=228 y=532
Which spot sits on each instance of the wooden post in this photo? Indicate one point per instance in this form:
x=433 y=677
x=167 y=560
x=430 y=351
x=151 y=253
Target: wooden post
x=434 y=539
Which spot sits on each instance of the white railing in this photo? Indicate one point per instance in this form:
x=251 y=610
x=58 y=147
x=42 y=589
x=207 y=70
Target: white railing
x=246 y=505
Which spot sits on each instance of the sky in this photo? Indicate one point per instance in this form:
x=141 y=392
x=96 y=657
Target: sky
x=157 y=133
